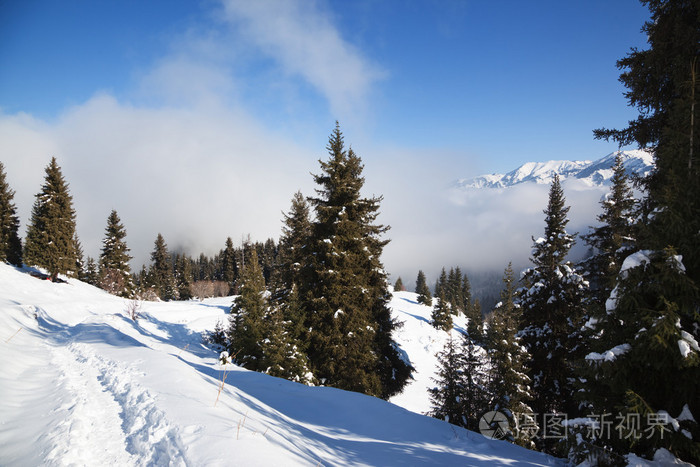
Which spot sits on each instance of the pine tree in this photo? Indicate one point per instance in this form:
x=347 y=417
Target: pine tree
x=447 y=398
x=247 y=319
x=161 y=271
x=10 y=244
x=441 y=284
x=509 y=385
x=293 y=264
x=346 y=293
x=551 y=303
x=398 y=285
x=466 y=294
x=184 y=276
x=647 y=360
x=91 y=273
x=612 y=240
x=441 y=317
x=422 y=290
x=49 y=243
x=475 y=366
x=228 y=263
x=79 y=270
x=115 y=272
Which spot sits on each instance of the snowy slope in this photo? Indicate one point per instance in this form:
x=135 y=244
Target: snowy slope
x=592 y=173
x=84 y=385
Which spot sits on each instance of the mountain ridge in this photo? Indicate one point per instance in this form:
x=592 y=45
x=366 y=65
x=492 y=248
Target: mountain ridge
x=593 y=173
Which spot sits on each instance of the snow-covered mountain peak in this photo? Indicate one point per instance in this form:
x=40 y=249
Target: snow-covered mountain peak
x=593 y=173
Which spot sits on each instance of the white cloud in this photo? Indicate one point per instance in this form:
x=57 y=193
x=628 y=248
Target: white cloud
x=197 y=177
x=301 y=36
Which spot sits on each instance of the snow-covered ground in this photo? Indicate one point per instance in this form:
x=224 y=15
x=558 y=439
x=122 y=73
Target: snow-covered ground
x=82 y=384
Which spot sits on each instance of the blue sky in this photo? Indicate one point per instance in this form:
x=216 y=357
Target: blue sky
x=425 y=91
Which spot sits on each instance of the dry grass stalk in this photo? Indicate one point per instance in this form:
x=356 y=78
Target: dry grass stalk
x=13 y=335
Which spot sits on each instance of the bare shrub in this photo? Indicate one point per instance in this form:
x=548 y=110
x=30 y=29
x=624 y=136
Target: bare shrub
x=202 y=289
x=133 y=309
x=221 y=288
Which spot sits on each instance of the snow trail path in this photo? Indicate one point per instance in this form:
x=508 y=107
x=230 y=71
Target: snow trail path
x=111 y=413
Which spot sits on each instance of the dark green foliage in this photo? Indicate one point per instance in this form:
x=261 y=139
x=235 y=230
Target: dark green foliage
x=160 y=275
x=475 y=398
x=613 y=240
x=345 y=290
x=247 y=320
x=398 y=285
x=446 y=399
x=441 y=317
x=50 y=235
x=508 y=383
x=460 y=396
x=229 y=266
x=10 y=244
x=80 y=272
x=92 y=276
x=551 y=303
x=184 y=276
x=652 y=319
x=115 y=272
x=423 y=290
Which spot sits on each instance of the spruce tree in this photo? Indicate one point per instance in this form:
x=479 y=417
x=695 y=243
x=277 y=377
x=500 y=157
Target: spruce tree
x=613 y=239
x=115 y=272
x=475 y=401
x=228 y=263
x=79 y=270
x=346 y=293
x=646 y=362
x=398 y=285
x=10 y=244
x=50 y=235
x=161 y=271
x=247 y=319
x=92 y=276
x=551 y=303
x=508 y=383
x=422 y=290
x=184 y=276
x=447 y=398
x=441 y=317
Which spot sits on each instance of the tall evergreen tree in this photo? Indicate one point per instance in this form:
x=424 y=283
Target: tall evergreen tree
x=49 y=243
x=475 y=366
x=10 y=244
x=79 y=271
x=647 y=361
x=509 y=385
x=551 y=303
x=161 y=271
x=346 y=295
x=184 y=276
x=441 y=317
x=293 y=259
x=447 y=398
x=398 y=285
x=247 y=319
x=423 y=290
x=228 y=263
x=115 y=272
x=613 y=239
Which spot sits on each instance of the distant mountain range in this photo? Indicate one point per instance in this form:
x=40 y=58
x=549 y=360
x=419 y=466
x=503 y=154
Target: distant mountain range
x=592 y=173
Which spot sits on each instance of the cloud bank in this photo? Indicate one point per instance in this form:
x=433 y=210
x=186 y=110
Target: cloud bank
x=184 y=155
